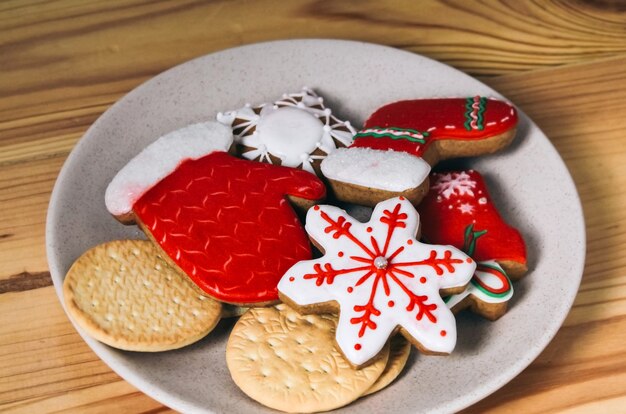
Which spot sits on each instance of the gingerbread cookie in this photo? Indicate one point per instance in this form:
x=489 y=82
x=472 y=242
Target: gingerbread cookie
x=226 y=222
x=380 y=278
x=123 y=293
x=295 y=131
x=461 y=213
x=399 y=142
x=289 y=362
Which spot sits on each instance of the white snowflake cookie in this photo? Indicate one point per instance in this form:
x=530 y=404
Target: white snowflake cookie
x=381 y=277
x=295 y=131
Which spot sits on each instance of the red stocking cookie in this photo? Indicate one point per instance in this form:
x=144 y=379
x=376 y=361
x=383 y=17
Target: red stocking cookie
x=459 y=211
x=393 y=152
x=224 y=221
x=295 y=131
x=381 y=278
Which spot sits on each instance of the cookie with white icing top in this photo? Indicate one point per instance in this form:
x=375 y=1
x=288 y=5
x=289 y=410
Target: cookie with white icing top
x=393 y=153
x=226 y=222
x=295 y=131
x=380 y=279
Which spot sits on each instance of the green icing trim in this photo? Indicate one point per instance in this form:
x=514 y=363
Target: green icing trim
x=469 y=103
x=469 y=240
x=392 y=136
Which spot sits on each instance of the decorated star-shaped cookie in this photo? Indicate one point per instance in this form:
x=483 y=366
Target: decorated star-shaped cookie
x=296 y=131
x=381 y=278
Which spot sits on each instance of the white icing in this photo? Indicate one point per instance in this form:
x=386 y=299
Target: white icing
x=466 y=208
x=288 y=133
x=385 y=286
x=162 y=157
x=290 y=129
x=383 y=170
x=487 y=279
x=453 y=184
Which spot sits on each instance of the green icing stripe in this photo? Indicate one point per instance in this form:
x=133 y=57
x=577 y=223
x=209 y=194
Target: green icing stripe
x=482 y=104
x=392 y=136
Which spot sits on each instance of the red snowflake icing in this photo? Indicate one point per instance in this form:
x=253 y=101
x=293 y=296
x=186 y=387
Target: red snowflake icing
x=382 y=278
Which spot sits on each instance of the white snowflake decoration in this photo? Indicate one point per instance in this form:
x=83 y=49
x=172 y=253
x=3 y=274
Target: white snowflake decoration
x=466 y=208
x=454 y=183
x=291 y=129
x=381 y=277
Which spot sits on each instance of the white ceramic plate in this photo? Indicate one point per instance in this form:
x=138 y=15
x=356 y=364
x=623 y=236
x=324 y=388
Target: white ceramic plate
x=529 y=183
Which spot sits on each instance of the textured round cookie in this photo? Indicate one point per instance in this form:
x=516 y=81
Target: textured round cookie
x=399 y=351
x=124 y=294
x=289 y=362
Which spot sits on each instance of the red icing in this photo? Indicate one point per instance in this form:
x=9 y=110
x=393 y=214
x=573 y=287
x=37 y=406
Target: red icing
x=471 y=204
x=394 y=219
x=226 y=222
x=504 y=281
x=446 y=116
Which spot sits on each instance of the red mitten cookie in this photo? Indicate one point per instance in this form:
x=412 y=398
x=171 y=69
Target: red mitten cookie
x=393 y=152
x=224 y=221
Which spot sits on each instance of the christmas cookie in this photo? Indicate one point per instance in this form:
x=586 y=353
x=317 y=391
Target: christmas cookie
x=123 y=293
x=380 y=279
x=289 y=362
x=226 y=222
x=399 y=142
x=295 y=131
x=399 y=351
x=461 y=213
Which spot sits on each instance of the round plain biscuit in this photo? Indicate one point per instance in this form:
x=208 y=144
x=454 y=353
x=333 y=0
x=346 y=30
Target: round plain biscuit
x=399 y=352
x=123 y=293
x=289 y=362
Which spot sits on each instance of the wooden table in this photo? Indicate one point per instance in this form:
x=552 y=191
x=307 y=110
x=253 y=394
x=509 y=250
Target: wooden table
x=63 y=63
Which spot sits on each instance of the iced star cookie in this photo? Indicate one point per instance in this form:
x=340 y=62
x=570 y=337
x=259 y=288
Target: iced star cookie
x=124 y=294
x=380 y=279
x=226 y=222
x=295 y=131
x=393 y=153
x=289 y=362
x=460 y=212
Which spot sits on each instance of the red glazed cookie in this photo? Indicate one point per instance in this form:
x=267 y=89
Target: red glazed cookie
x=399 y=142
x=458 y=211
x=224 y=221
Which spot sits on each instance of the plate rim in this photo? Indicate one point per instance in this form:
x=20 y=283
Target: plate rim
x=173 y=401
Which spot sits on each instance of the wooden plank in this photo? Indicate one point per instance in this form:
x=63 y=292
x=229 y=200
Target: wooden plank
x=25 y=189
x=57 y=56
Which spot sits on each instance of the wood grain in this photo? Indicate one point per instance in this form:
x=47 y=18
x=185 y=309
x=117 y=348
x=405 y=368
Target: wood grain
x=63 y=63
